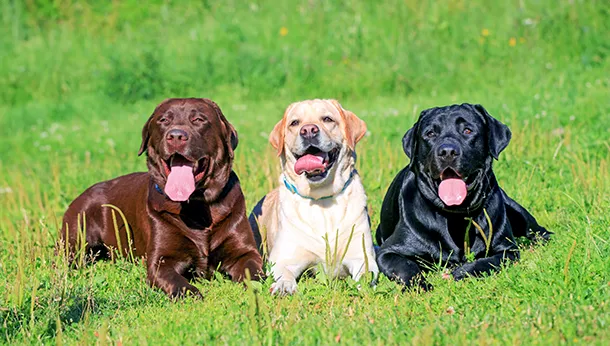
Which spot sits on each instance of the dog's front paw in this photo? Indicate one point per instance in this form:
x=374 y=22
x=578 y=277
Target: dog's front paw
x=284 y=287
x=462 y=272
x=180 y=292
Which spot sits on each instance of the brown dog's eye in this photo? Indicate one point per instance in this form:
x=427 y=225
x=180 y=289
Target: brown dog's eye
x=467 y=131
x=430 y=134
x=294 y=123
x=164 y=120
x=199 y=120
x=327 y=120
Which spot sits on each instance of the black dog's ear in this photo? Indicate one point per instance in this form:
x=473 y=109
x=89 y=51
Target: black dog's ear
x=408 y=141
x=145 y=136
x=498 y=134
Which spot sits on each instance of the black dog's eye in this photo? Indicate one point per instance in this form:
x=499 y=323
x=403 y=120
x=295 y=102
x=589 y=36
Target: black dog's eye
x=467 y=131
x=430 y=134
x=328 y=120
x=294 y=123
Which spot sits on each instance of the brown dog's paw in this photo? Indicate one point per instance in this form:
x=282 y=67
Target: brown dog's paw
x=181 y=292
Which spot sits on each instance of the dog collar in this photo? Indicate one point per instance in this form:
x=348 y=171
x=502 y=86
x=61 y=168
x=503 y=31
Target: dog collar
x=292 y=188
x=159 y=189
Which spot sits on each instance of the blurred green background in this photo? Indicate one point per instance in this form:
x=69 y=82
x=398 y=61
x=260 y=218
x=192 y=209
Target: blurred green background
x=129 y=50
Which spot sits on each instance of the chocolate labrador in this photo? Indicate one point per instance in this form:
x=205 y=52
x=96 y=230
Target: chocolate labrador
x=186 y=215
x=446 y=206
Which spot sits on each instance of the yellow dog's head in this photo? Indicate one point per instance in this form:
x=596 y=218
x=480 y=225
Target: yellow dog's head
x=316 y=140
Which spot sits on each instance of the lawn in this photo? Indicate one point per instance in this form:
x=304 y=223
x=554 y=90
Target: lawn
x=79 y=79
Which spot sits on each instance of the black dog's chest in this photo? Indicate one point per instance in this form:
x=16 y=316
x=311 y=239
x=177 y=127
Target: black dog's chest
x=457 y=226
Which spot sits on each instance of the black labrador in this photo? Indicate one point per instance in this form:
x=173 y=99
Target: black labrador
x=446 y=207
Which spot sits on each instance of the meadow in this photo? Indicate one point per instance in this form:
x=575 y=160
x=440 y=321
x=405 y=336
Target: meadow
x=78 y=79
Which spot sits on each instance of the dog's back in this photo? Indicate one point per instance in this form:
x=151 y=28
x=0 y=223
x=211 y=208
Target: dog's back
x=90 y=216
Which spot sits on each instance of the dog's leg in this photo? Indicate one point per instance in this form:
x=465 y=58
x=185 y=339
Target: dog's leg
x=250 y=261
x=522 y=222
x=485 y=265
x=288 y=262
x=360 y=257
x=357 y=268
x=285 y=276
x=162 y=273
x=401 y=269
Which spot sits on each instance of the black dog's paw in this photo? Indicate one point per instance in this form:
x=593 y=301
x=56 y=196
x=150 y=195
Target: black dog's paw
x=424 y=285
x=416 y=283
x=462 y=272
x=541 y=235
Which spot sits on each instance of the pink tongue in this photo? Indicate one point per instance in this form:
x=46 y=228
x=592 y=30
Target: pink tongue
x=309 y=163
x=452 y=191
x=180 y=183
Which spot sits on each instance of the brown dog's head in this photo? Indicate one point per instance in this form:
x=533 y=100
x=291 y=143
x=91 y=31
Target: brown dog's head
x=316 y=140
x=189 y=145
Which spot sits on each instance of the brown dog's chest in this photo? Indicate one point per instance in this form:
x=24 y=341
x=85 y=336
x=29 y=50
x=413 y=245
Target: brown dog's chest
x=190 y=230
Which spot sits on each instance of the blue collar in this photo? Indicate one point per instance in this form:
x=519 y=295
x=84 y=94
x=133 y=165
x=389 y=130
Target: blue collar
x=292 y=188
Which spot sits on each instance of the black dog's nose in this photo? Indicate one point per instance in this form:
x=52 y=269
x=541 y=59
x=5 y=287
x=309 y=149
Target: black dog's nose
x=309 y=131
x=177 y=136
x=448 y=151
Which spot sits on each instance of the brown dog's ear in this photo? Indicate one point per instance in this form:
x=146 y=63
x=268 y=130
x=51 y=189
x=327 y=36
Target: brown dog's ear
x=355 y=128
x=145 y=136
x=228 y=127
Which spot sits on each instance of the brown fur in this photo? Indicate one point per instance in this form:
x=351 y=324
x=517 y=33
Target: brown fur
x=180 y=240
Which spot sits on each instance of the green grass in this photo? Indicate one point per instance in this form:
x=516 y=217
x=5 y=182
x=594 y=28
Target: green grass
x=79 y=79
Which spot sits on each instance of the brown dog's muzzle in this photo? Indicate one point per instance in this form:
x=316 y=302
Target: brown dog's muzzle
x=177 y=140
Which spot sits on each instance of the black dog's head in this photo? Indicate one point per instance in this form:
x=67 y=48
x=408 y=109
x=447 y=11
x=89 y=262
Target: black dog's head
x=451 y=150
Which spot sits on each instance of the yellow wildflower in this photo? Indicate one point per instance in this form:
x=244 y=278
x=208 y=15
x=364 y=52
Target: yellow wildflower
x=283 y=31
x=485 y=32
x=512 y=42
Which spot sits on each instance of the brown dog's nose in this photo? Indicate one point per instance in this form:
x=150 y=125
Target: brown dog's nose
x=448 y=151
x=177 y=136
x=309 y=131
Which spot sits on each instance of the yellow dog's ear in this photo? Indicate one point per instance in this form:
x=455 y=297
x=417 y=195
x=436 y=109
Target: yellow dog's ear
x=354 y=127
x=276 y=137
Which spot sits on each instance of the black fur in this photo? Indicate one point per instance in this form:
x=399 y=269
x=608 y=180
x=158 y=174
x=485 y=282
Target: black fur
x=418 y=231
x=257 y=212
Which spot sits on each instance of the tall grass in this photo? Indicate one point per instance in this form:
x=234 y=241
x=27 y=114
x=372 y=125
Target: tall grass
x=79 y=79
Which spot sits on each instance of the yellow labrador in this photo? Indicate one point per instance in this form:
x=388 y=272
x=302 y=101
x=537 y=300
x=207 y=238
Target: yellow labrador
x=321 y=202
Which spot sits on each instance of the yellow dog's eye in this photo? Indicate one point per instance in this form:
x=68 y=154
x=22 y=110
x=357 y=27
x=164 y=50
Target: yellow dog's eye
x=327 y=120
x=294 y=123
